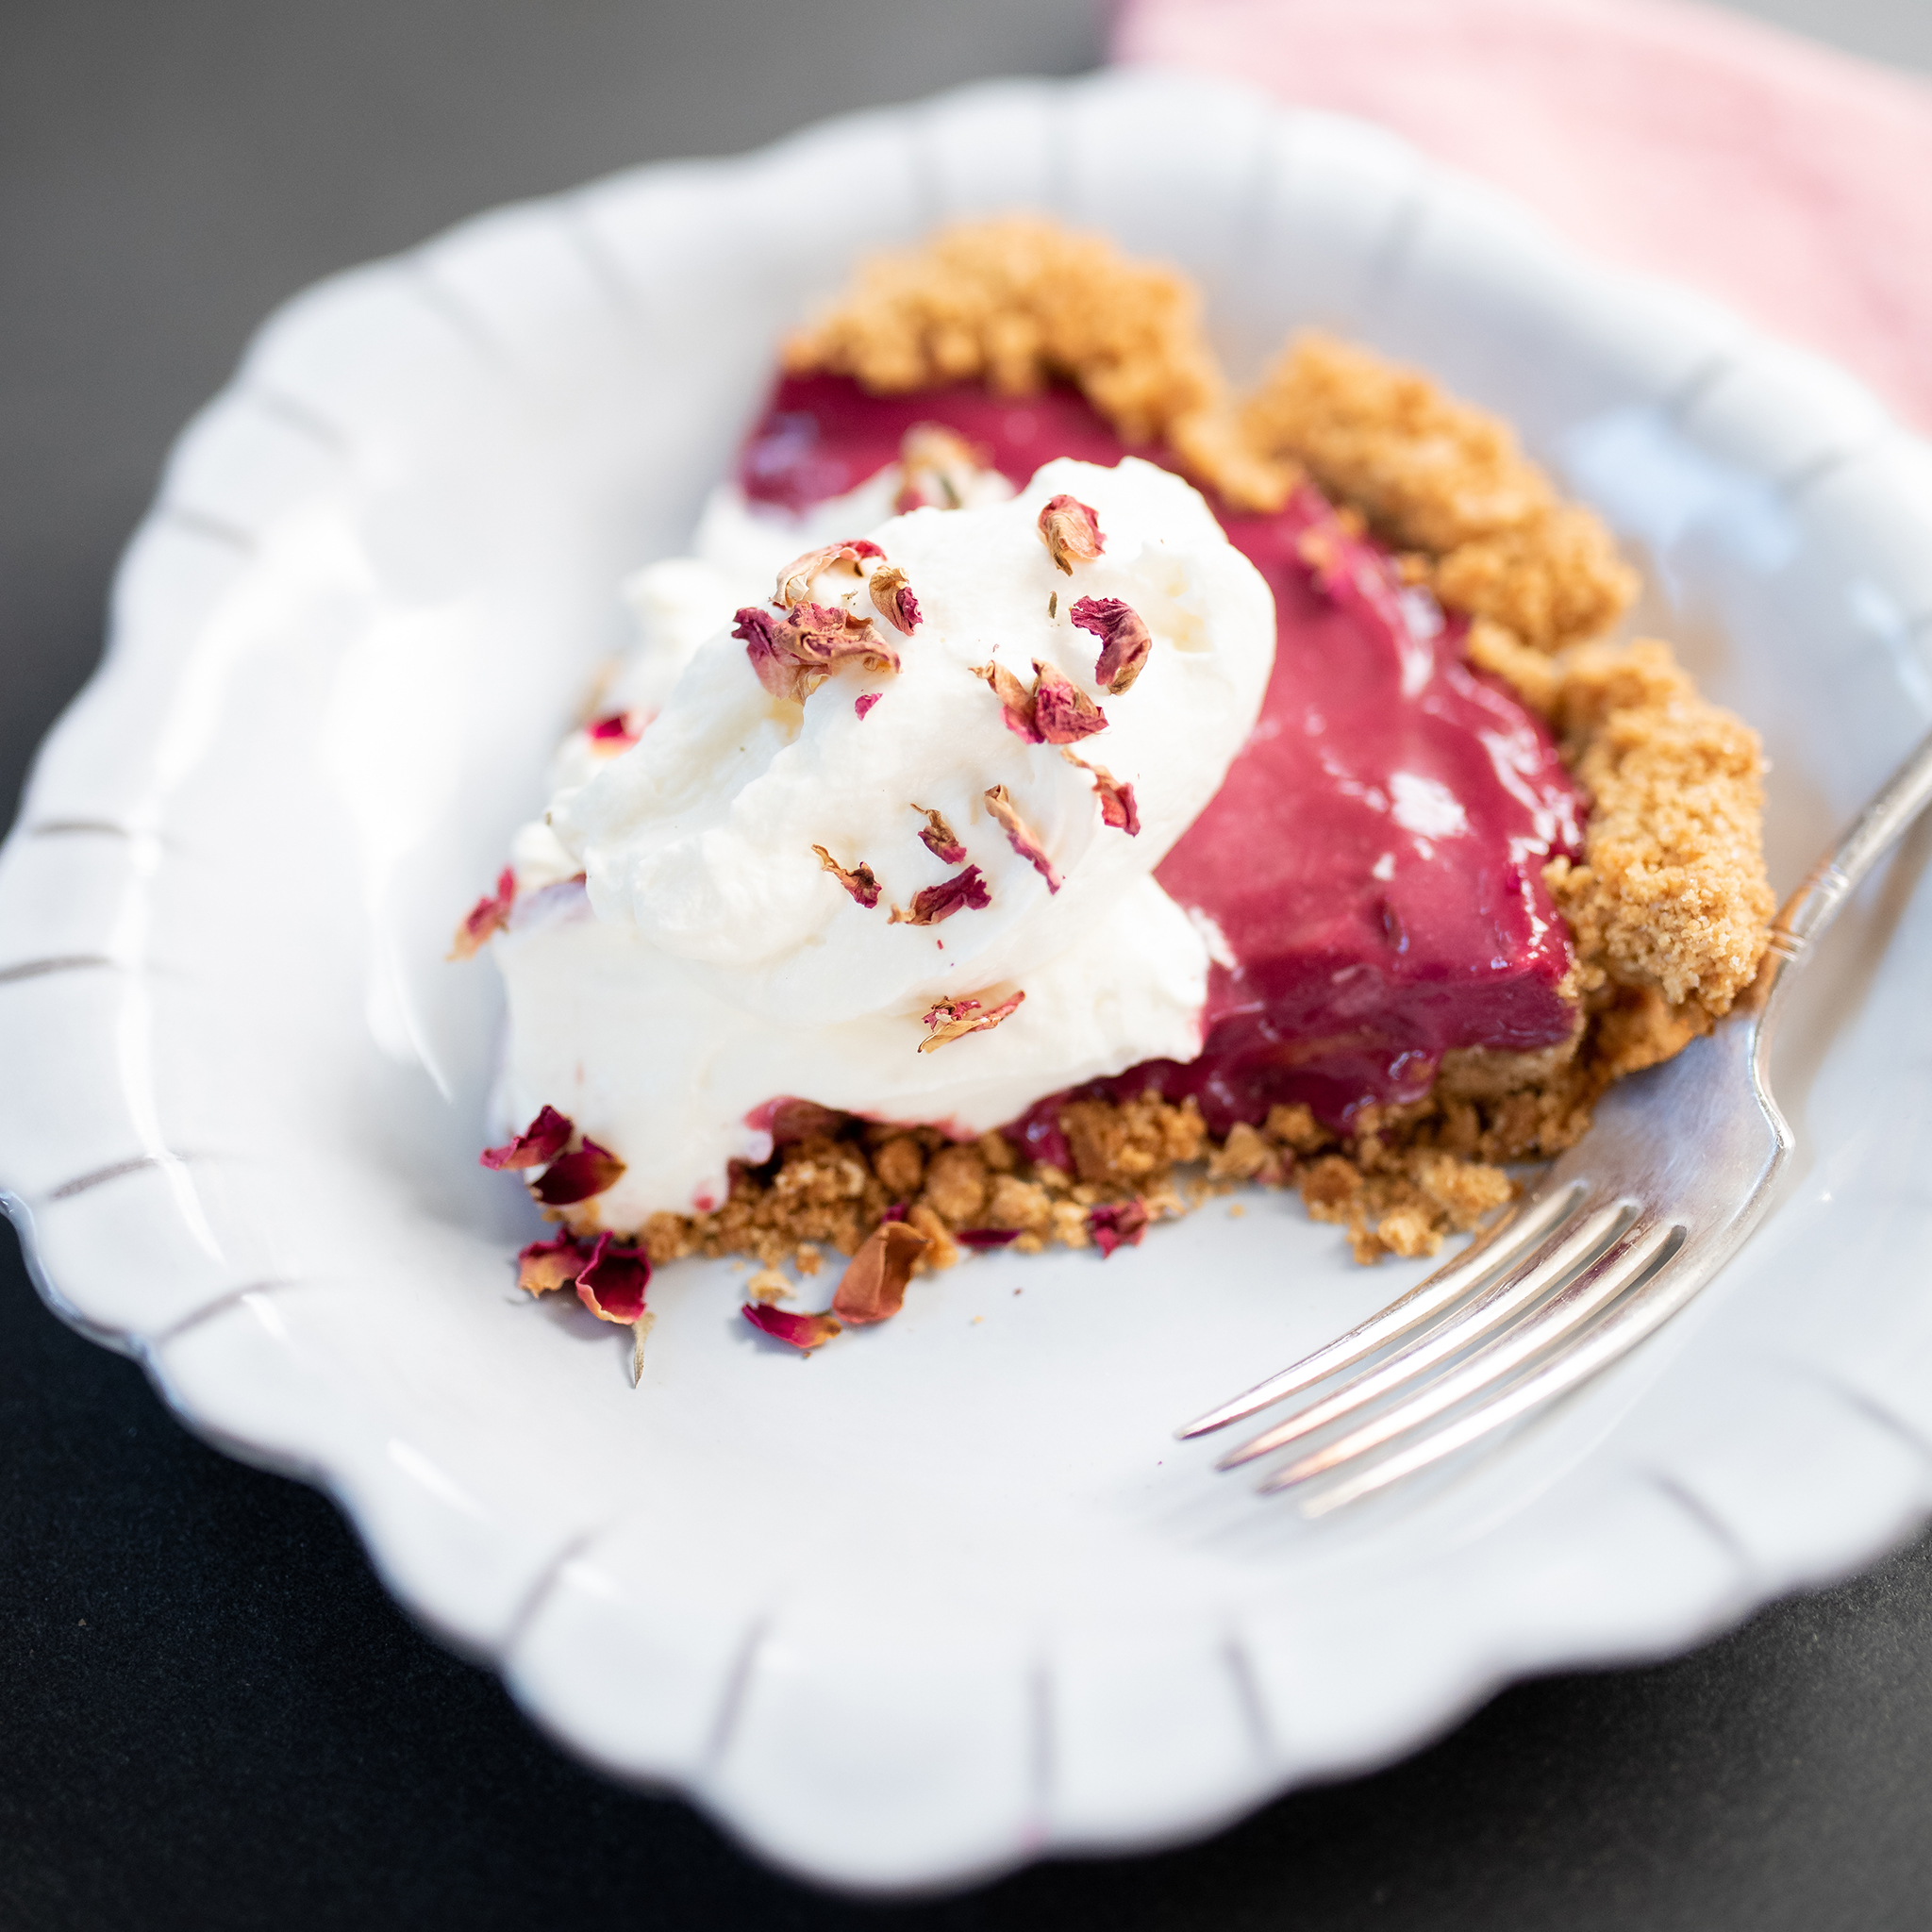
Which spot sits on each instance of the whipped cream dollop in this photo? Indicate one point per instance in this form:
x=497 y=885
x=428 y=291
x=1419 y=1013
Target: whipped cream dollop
x=760 y=874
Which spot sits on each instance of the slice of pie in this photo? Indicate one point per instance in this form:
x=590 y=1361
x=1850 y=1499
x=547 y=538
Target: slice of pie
x=1057 y=790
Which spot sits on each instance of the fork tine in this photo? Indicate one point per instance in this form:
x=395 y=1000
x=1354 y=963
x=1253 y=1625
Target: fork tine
x=1601 y=1283
x=1647 y=1307
x=1504 y=1244
x=1513 y=1293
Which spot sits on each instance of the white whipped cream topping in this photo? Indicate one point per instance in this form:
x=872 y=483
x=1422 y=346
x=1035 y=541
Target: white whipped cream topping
x=715 y=966
x=643 y=1053
x=680 y=601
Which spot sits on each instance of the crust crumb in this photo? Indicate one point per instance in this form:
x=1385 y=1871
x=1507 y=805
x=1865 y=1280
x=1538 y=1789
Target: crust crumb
x=1022 y=1205
x=1553 y=579
x=955 y=1186
x=941 y=1250
x=1246 y=1155
x=1398 y=1185
x=1117 y=1143
x=1404 y=1205
x=1439 y=476
x=1532 y=675
x=1672 y=893
x=1021 y=303
x=1296 y=1127
x=900 y=1164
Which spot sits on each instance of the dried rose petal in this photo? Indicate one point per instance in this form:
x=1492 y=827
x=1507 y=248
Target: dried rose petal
x=805 y=1332
x=954 y=1019
x=828 y=634
x=938 y=466
x=896 y=1212
x=1015 y=700
x=865 y=704
x=985 y=1237
x=545 y=1266
x=486 y=918
x=794 y=580
x=538 y=1145
x=964 y=889
x=1063 y=712
x=1117 y=808
x=613 y=734
x=794 y=654
x=759 y=631
x=859 y=881
x=892 y=598
x=873 y=1285
x=1070 y=531
x=1116 y=1225
x=1125 y=640
x=613 y=1282
x=940 y=838
x=1021 y=836
x=577 y=1176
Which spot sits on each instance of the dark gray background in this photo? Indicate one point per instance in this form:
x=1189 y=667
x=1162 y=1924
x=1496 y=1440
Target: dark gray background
x=209 y=1714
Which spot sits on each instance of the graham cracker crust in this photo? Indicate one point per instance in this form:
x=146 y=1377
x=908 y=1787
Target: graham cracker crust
x=1669 y=908
x=1398 y=1192
x=1021 y=303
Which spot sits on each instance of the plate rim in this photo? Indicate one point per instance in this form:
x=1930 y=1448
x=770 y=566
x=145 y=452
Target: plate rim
x=110 y=704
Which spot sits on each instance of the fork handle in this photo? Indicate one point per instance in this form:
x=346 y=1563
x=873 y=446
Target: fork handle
x=1804 y=917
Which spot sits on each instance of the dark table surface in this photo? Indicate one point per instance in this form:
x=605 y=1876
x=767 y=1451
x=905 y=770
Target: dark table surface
x=209 y=1713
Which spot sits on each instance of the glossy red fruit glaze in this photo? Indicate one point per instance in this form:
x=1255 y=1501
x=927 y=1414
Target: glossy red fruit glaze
x=1373 y=858
x=822 y=435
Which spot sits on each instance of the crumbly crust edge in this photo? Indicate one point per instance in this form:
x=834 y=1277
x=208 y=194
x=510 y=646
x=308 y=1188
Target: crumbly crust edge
x=1400 y=1185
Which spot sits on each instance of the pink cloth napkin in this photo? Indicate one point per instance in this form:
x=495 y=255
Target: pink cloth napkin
x=1792 y=181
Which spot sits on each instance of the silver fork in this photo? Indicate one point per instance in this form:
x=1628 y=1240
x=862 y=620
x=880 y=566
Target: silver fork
x=1620 y=1234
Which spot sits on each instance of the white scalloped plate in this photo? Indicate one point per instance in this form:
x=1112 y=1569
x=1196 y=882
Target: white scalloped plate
x=949 y=1596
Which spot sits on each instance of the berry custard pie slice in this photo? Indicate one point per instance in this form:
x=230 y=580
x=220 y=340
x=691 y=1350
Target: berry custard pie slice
x=1056 y=790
